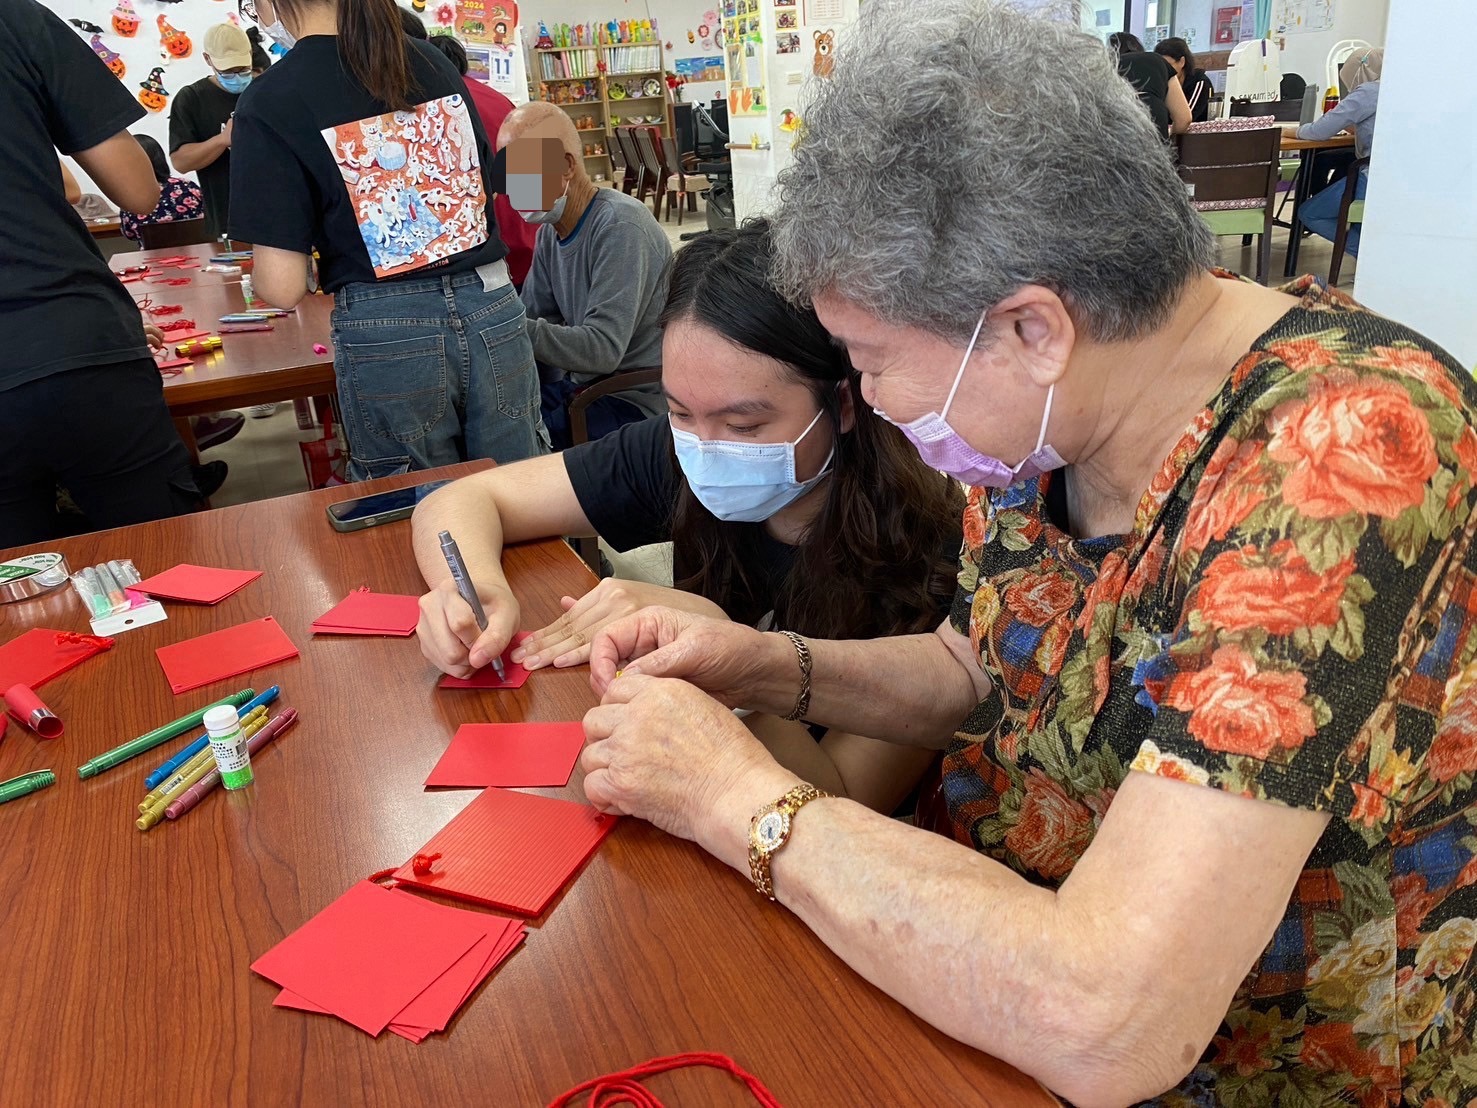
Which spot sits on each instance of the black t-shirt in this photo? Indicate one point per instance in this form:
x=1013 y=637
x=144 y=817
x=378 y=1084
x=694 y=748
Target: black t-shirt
x=627 y=483
x=1150 y=75
x=60 y=306
x=317 y=162
x=200 y=111
x=1198 y=93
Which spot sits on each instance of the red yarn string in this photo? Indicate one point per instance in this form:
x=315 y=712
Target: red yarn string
x=625 y=1086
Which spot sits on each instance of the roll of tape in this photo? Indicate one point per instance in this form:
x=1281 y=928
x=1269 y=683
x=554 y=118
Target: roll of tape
x=32 y=575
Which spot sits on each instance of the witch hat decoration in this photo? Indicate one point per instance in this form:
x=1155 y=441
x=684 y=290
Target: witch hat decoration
x=110 y=59
x=125 y=19
x=151 y=91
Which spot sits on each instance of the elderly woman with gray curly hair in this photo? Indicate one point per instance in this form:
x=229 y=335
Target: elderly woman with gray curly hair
x=1207 y=698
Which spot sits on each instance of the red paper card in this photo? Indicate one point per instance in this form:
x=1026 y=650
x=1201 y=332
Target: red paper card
x=197 y=584
x=510 y=850
x=369 y=954
x=512 y=755
x=487 y=678
x=173 y=363
x=221 y=654
x=370 y=613
x=182 y=336
x=38 y=655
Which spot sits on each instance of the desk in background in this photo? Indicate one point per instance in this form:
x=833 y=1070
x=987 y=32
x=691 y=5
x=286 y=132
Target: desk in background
x=254 y=367
x=1306 y=149
x=127 y=954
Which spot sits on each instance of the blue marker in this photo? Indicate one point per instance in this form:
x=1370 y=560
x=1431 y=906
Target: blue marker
x=159 y=775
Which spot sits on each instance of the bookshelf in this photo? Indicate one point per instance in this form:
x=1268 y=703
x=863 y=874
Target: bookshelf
x=603 y=87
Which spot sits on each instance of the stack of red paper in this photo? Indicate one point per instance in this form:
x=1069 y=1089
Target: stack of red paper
x=379 y=958
x=486 y=677
x=197 y=584
x=370 y=613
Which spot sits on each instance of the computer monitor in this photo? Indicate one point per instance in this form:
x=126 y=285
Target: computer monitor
x=710 y=131
x=686 y=128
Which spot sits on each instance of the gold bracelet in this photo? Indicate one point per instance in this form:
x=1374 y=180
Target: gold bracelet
x=802 y=702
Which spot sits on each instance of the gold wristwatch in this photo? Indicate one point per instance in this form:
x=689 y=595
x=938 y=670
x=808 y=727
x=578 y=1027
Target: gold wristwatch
x=769 y=830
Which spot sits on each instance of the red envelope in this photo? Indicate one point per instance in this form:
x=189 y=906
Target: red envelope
x=487 y=678
x=38 y=655
x=370 y=613
x=511 y=755
x=221 y=654
x=369 y=954
x=197 y=584
x=510 y=850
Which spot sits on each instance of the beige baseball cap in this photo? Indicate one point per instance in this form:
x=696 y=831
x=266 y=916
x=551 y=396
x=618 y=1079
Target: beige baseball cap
x=228 y=47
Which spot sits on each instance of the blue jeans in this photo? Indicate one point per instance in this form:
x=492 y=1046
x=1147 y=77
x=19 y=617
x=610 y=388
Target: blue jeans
x=601 y=417
x=433 y=371
x=1320 y=213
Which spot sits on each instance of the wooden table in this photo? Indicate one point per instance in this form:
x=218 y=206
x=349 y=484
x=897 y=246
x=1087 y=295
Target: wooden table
x=254 y=367
x=104 y=228
x=126 y=954
x=1302 y=188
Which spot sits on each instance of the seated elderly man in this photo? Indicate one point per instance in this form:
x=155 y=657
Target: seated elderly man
x=599 y=276
x=1208 y=691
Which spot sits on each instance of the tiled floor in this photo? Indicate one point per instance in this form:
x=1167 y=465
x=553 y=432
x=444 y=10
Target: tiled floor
x=265 y=461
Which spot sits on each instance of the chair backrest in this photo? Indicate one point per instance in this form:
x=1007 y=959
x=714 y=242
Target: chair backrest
x=1337 y=56
x=1284 y=111
x=647 y=137
x=666 y=152
x=627 y=143
x=625 y=173
x=1293 y=86
x=1231 y=161
x=178 y=232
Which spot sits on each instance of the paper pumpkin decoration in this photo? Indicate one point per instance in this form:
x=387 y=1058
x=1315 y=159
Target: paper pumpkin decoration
x=125 y=19
x=110 y=59
x=175 y=41
x=151 y=91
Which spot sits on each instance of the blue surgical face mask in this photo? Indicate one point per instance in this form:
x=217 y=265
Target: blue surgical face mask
x=234 y=82
x=744 y=482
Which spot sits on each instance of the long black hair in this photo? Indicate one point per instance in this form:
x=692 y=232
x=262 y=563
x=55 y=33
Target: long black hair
x=1179 y=50
x=881 y=555
x=1125 y=42
x=156 y=157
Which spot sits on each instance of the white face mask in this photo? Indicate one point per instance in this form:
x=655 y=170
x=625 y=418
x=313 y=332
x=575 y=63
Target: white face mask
x=553 y=215
x=279 y=34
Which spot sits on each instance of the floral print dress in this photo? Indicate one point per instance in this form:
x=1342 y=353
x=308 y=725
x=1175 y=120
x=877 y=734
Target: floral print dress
x=179 y=198
x=1291 y=619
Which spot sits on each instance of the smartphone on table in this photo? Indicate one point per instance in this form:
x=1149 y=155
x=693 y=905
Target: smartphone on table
x=380 y=507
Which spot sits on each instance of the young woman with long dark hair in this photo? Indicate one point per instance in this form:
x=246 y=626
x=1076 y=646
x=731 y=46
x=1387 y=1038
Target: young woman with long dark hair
x=788 y=504
x=1196 y=85
x=359 y=145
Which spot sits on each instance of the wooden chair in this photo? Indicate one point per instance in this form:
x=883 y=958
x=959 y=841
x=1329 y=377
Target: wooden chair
x=626 y=138
x=1231 y=167
x=179 y=232
x=1350 y=211
x=653 y=172
x=624 y=176
x=679 y=184
x=579 y=431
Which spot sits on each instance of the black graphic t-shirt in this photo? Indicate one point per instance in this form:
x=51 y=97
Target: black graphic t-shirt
x=319 y=163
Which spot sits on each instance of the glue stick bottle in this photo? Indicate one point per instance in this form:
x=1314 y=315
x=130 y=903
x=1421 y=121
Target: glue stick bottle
x=228 y=744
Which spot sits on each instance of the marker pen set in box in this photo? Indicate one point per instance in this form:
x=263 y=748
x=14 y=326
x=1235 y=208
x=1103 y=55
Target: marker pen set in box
x=112 y=606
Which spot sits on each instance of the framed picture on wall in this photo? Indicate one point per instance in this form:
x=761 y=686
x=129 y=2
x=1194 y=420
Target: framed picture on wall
x=787 y=20
x=1227 y=26
x=787 y=43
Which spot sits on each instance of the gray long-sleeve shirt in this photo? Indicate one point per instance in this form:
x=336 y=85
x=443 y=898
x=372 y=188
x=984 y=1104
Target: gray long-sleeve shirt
x=593 y=299
x=1355 y=110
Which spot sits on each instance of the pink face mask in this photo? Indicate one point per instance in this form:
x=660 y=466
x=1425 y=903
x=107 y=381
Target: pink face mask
x=944 y=449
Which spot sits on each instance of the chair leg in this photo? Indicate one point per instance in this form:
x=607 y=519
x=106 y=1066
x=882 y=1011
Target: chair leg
x=1264 y=249
x=1340 y=243
x=681 y=206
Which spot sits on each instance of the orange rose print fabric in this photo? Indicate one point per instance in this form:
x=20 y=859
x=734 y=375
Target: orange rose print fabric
x=1292 y=619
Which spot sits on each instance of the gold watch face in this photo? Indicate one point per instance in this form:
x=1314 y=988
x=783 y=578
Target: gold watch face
x=770 y=831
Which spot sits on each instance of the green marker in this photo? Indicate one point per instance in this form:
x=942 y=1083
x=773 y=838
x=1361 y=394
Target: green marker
x=26 y=784
x=228 y=744
x=134 y=747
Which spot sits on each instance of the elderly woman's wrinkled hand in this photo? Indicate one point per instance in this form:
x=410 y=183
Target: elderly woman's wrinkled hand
x=727 y=660
x=670 y=754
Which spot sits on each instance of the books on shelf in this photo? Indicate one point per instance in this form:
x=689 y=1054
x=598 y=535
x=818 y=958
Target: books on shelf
x=633 y=57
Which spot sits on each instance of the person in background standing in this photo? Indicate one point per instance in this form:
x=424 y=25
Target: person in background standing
x=493 y=107
x=81 y=401
x=200 y=121
x=1153 y=78
x=360 y=145
x=1196 y=85
x=261 y=61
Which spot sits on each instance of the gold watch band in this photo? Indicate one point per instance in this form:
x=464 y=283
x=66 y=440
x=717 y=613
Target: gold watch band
x=769 y=831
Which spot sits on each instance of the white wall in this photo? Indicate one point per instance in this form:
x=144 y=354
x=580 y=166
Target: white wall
x=1418 y=254
x=674 y=18
x=1307 y=54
